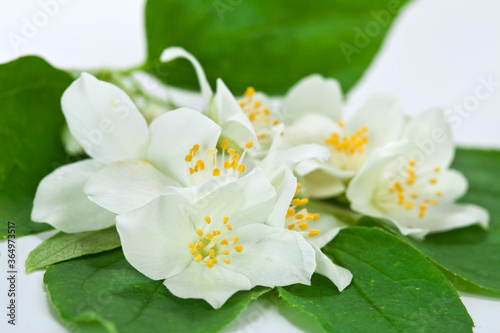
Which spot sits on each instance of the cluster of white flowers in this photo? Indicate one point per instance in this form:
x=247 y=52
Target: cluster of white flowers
x=209 y=201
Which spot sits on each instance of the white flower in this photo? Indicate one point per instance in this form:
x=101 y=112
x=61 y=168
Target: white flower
x=211 y=240
x=410 y=183
x=221 y=107
x=107 y=124
x=312 y=113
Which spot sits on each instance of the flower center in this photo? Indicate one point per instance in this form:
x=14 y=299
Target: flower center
x=347 y=150
x=259 y=115
x=201 y=165
x=407 y=192
x=211 y=246
x=300 y=221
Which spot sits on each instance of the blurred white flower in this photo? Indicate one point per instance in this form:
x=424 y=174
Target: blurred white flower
x=410 y=184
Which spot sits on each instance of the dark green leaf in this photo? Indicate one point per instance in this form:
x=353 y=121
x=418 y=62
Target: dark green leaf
x=472 y=254
x=62 y=247
x=30 y=126
x=395 y=289
x=268 y=44
x=105 y=289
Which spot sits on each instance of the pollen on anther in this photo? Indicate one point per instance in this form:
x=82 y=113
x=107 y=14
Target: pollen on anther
x=238 y=248
x=235 y=240
x=191 y=246
x=299 y=217
x=198 y=258
x=249 y=144
x=225 y=252
x=227 y=261
x=199 y=245
x=210 y=264
x=224 y=242
x=207 y=219
x=241 y=168
x=216 y=172
x=224 y=144
x=291 y=227
x=199 y=232
x=188 y=158
x=225 y=219
x=303 y=226
x=211 y=253
x=313 y=232
x=193 y=251
x=228 y=226
x=209 y=236
x=433 y=181
x=231 y=151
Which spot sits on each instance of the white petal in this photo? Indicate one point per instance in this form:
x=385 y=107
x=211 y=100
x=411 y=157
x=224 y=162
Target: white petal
x=247 y=200
x=383 y=115
x=277 y=159
x=125 y=186
x=61 y=202
x=234 y=122
x=104 y=120
x=155 y=237
x=172 y=53
x=310 y=128
x=272 y=256
x=328 y=227
x=215 y=285
x=322 y=183
x=285 y=185
x=173 y=134
x=313 y=94
x=431 y=132
x=340 y=276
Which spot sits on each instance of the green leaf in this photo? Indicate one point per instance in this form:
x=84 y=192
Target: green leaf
x=105 y=289
x=268 y=44
x=394 y=289
x=472 y=255
x=30 y=126
x=62 y=247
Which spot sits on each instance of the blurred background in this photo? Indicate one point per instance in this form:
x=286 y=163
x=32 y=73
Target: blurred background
x=427 y=52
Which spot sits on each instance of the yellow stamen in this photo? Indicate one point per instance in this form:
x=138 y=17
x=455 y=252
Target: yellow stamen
x=224 y=144
x=299 y=217
x=228 y=226
x=225 y=219
x=291 y=227
x=210 y=264
x=199 y=245
x=241 y=168
x=193 y=252
x=303 y=226
x=225 y=252
x=188 y=158
x=249 y=92
x=235 y=240
x=208 y=220
x=211 y=253
x=249 y=144
x=409 y=205
x=191 y=246
x=216 y=172
x=238 y=248
x=224 y=242
x=231 y=151
x=199 y=232
x=313 y=232
x=227 y=261
x=198 y=258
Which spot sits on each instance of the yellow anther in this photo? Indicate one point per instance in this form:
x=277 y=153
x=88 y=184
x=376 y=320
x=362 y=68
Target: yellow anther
x=234 y=164
x=409 y=205
x=209 y=264
x=224 y=144
x=242 y=104
x=199 y=245
x=313 y=232
x=291 y=227
x=198 y=258
x=257 y=104
x=211 y=253
x=191 y=170
x=296 y=202
x=422 y=207
x=261 y=136
x=303 y=226
x=413 y=162
x=217 y=232
x=191 y=245
x=439 y=193
x=238 y=248
x=225 y=219
x=208 y=219
x=341 y=124
x=249 y=144
x=227 y=165
x=193 y=252
x=276 y=122
x=316 y=217
x=299 y=216
x=249 y=92
x=227 y=261
x=437 y=169
x=235 y=240
x=401 y=198
x=231 y=151
x=235 y=157
x=224 y=242
x=398 y=187
x=216 y=172
x=196 y=147
x=199 y=232
x=214 y=260
x=188 y=158
x=290 y=212
x=414 y=196
x=225 y=252
x=241 y=168
x=433 y=181
x=434 y=202
x=422 y=213
x=228 y=226
x=209 y=236
x=267 y=112
x=304 y=201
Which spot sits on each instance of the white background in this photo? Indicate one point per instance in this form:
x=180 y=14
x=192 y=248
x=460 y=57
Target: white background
x=438 y=53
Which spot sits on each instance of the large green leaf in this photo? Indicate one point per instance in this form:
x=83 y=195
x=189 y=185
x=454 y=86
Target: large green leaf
x=62 y=247
x=395 y=289
x=103 y=293
x=472 y=254
x=268 y=44
x=30 y=125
